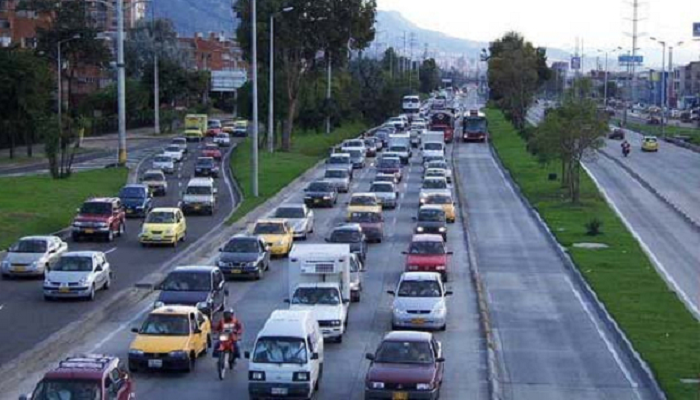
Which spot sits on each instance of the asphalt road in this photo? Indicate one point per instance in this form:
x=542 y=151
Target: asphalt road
x=345 y=365
x=130 y=263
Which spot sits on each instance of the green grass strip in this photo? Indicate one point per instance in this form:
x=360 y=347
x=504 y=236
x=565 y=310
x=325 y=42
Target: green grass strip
x=692 y=133
x=277 y=170
x=660 y=328
x=38 y=204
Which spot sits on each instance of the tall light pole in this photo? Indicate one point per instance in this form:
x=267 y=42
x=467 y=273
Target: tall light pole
x=605 y=85
x=328 y=93
x=156 y=83
x=254 y=56
x=121 y=84
x=663 y=83
x=271 y=102
x=670 y=72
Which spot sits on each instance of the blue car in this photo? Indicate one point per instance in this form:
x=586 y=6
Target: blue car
x=136 y=200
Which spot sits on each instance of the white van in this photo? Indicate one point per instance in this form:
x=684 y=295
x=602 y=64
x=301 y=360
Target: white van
x=199 y=196
x=287 y=358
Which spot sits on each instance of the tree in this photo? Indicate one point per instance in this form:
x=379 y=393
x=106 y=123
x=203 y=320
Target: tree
x=149 y=38
x=429 y=76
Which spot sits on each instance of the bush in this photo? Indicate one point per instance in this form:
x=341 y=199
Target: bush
x=593 y=227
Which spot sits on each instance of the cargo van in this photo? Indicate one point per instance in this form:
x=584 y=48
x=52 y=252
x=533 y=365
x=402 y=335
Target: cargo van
x=199 y=196
x=287 y=357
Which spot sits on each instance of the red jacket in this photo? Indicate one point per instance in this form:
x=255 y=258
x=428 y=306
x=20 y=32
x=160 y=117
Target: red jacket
x=234 y=325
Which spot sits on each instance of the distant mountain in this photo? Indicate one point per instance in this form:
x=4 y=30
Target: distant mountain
x=193 y=16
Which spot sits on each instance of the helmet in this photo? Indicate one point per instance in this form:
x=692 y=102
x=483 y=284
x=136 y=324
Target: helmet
x=228 y=313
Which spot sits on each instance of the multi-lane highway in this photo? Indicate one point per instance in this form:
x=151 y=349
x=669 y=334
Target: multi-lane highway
x=130 y=262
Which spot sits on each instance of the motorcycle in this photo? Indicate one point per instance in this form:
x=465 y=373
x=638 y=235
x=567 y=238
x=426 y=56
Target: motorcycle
x=226 y=352
x=625 y=151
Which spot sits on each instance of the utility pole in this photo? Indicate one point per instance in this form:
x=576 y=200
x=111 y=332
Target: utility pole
x=328 y=94
x=156 y=84
x=410 y=64
x=254 y=57
x=121 y=84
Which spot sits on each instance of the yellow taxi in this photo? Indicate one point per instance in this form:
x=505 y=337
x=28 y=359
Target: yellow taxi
x=446 y=202
x=276 y=233
x=364 y=202
x=164 y=225
x=171 y=338
x=650 y=143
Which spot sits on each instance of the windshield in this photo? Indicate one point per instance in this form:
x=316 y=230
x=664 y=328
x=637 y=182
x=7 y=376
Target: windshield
x=383 y=178
x=436 y=172
x=319 y=187
x=279 y=350
x=378 y=188
x=73 y=264
x=163 y=159
x=290 y=212
x=241 y=246
x=434 y=184
x=211 y=147
x=433 y=146
x=365 y=217
x=346 y=236
x=396 y=352
x=187 y=282
x=313 y=296
x=153 y=177
x=475 y=124
x=29 y=246
x=355 y=153
x=65 y=389
x=336 y=174
x=363 y=201
x=339 y=160
x=96 y=208
x=198 y=190
x=180 y=141
x=132 y=193
x=166 y=325
x=354 y=143
x=431 y=215
x=268 y=228
x=438 y=199
x=205 y=162
x=386 y=163
x=426 y=248
x=175 y=149
x=419 y=289
x=398 y=149
x=160 y=217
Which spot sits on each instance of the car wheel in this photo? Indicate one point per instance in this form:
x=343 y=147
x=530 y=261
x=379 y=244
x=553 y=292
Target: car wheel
x=47 y=297
x=339 y=339
x=110 y=235
x=122 y=229
x=91 y=296
x=191 y=363
x=260 y=274
x=184 y=236
x=108 y=282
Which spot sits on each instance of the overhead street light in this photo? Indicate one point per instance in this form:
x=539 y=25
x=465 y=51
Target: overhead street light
x=271 y=102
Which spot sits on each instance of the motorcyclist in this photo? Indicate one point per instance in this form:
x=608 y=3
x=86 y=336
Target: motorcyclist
x=231 y=323
x=625 y=147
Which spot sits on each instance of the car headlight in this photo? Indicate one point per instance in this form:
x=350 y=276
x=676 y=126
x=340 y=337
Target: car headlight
x=440 y=267
x=420 y=229
x=178 y=354
x=135 y=352
x=158 y=304
x=224 y=337
x=424 y=386
x=376 y=385
x=77 y=223
x=33 y=265
x=101 y=224
x=326 y=197
x=335 y=322
x=442 y=229
x=301 y=376
x=439 y=308
x=256 y=375
x=170 y=231
x=83 y=281
x=5 y=264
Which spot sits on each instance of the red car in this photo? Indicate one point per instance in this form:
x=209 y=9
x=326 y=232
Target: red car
x=407 y=365
x=212 y=150
x=85 y=377
x=428 y=253
x=100 y=217
x=214 y=128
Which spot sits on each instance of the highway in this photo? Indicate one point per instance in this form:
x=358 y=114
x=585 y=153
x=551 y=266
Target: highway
x=130 y=263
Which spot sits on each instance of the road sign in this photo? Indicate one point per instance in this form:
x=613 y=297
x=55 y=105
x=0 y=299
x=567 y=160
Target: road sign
x=627 y=60
x=575 y=63
x=228 y=81
x=696 y=29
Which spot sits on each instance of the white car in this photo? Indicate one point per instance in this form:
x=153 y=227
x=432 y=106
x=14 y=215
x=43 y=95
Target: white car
x=338 y=177
x=298 y=216
x=433 y=149
x=387 y=193
x=435 y=173
x=175 y=152
x=181 y=142
x=222 y=139
x=433 y=185
x=164 y=163
x=441 y=164
x=419 y=302
x=78 y=274
x=32 y=255
x=354 y=144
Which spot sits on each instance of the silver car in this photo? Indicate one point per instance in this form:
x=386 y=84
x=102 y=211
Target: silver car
x=78 y=275
x=433 y=185
x=338 y=177
x=33 y=255
x=386 y=192
x=298 y=216
x=419 y=302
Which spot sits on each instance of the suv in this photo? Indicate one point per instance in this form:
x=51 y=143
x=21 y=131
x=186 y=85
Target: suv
x=206 y=166
x=199 y=196
x=203 y=287
x=102 y=216
x=90 y=376
x=156 y=182
x=136 y=199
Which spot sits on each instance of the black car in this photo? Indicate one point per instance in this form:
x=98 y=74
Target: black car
x=136 y=200
x=353 y=235
x=199 y=286
x=320 y=193
x=432 y=219
x=244 y=256
x=617 y=134
x=206 y=166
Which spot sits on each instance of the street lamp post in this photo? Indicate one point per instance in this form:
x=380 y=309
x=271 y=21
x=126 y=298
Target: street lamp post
x=663 y=84
x=156 y=83
x=254 y=56
x=669 y=89
x=605 y=84
x=271 y=102
x=121 y=84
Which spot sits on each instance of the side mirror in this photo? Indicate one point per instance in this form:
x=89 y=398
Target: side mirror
x=286 y=301
x=246 y=354
x=448 y=293
x=135 y=330
x=369 y=356
x=98 y=268
x=449 y=253
x=314 y=356
x=221 y=249
x=440 y=359
x=391 y=292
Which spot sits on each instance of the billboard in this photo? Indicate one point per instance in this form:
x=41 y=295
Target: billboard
x=696 y=29
x=575 y=63
x=627 y=60
x=228 y=81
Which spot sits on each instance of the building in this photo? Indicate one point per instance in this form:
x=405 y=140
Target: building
x=689 y=82
x=215 y=52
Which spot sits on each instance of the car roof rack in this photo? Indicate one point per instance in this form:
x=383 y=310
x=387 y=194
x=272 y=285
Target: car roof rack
x=94 y=362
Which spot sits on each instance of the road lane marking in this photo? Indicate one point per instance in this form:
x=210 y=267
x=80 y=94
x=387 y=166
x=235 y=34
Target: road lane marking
x=110 y=250
x=2 y=306
x=119 y=329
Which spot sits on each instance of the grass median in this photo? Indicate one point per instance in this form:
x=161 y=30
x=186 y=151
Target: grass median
x=277 y=170
x=659 y=326
x=34 y=205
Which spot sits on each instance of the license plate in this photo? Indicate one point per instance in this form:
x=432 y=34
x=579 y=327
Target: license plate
x=418 y=321
x=64 y=290
x=399 y=396
x=197 y=207
x=155 y=363
x=236 y=271
x=129 y=211
x=19 y=269
x=89 y=231
x=282 y=391
x=157 y=237
x=317 y=200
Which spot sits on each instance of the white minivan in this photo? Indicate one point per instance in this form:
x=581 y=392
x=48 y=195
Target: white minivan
x=287 y=358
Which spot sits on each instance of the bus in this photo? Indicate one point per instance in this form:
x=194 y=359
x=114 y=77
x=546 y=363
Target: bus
x=474 y=126
x=443 y=121
x=410 y=104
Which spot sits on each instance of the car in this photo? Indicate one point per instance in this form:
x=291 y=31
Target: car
x=102 y=217
x=406 y=365
x=429 y=159
x=441 y=164
x=372 y=224
x=206 y=166
x=212 y=150
x=243 y=256
x=397 y=122
x=240 y=129
x=89 y=376
x=222 y=139
x=444 y=201
x=419 y=302
x=355 y=144
x=156 y=182
x=180 y=142
x=403 y=151
x=654 y=120
x=435 y=173
x=371 y=146
x=386 y=192
x=175 y=152
x=32 y=256
x=382 y=177
x=428 y=253
x=390 y=166
x=298 y=216
x=433 y=185
x=353 y=235
x=276 y=233
x=319 y=193
x=431 y=219
x=228 y=126
x=200 y=196
x=136 y=199
x=617 y=134
x=650 y=143
x=339 y=177
x=163 y=225
x=78 y=274
x=164 y=163
x=357 y=157
x=363 y=202
x=214 y=127
x=202 y=287
x=170 y=338
x=342 y=161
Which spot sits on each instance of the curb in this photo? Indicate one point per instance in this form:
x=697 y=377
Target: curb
x=616 y=333
x=492 y=359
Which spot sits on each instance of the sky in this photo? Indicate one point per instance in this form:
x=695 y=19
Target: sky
x=601 y=24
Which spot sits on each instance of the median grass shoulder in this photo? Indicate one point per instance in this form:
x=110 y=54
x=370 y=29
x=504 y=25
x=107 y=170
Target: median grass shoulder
x=33 y=205
x=276 y=170
x=659 y=326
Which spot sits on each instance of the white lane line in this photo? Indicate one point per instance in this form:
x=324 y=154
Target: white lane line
x=120 y=328
x=110 y=250
x=2 y=306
